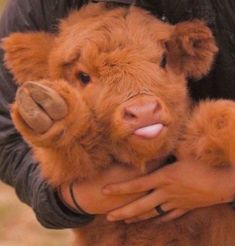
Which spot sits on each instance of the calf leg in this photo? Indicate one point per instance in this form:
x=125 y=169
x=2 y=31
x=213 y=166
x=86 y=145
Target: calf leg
x=210 y=134
x=62 y=148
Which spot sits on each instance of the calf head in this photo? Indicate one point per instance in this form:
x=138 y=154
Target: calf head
x=130 y=68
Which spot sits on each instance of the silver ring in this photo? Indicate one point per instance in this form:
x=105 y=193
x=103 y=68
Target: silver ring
x=160 y=211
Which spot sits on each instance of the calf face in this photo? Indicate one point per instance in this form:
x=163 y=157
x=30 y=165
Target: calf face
x=130 y=68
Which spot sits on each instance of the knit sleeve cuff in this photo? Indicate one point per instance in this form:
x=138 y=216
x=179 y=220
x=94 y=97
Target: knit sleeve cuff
x=51 y=212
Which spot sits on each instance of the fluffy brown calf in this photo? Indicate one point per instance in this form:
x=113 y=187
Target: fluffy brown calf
x=123 y=75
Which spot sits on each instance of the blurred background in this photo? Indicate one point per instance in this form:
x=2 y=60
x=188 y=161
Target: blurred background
x=18 y=226
x=2 y=4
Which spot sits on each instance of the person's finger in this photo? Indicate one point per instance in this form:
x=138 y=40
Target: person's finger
x=138 y=207
x=141 y=184
x=53 y=104
x=167 y=207
x=31 y=113
x=145 y=216
x=174 y=214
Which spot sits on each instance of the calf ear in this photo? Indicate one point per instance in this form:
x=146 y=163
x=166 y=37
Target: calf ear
x=192 y=49
x=26 y=55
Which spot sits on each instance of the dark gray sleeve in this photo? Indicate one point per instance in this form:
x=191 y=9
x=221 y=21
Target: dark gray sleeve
x=17 y=166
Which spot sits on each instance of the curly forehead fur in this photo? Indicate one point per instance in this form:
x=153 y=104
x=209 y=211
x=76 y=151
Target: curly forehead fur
x=111 y=41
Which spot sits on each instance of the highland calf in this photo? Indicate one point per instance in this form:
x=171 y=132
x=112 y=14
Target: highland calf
x=123 y=75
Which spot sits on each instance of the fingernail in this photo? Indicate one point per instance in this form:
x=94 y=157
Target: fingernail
x=111 y=218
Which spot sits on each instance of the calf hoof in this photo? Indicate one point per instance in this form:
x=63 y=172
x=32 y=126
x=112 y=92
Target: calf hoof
x=39 y=106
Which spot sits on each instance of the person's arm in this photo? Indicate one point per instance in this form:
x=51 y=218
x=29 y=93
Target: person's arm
x=176 y=189
x=17 y=166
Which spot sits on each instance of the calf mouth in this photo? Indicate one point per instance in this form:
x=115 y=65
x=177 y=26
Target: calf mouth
x=149 y=131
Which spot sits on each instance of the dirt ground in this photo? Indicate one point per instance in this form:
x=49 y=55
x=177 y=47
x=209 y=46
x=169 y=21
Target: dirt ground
x=19 y=227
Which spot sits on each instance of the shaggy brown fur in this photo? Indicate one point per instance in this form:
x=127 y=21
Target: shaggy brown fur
x=132 y=59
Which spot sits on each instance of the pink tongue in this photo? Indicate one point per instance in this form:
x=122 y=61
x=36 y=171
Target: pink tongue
x=149 y=131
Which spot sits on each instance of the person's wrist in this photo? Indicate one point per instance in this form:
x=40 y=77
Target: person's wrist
x=68 y=198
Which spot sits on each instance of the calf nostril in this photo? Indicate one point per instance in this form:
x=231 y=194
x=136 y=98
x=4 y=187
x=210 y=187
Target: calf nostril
x=141 y=111
x=156 y=107
x=128 y=115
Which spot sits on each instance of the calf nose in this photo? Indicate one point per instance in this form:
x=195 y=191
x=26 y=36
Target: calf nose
x=141 y=112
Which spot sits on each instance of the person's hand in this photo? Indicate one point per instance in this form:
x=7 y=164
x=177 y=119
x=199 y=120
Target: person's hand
x=89 y=196
x=177 y=189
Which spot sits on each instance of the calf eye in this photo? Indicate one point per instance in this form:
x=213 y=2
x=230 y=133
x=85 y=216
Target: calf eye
x=84 y=78
x=163 y=61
